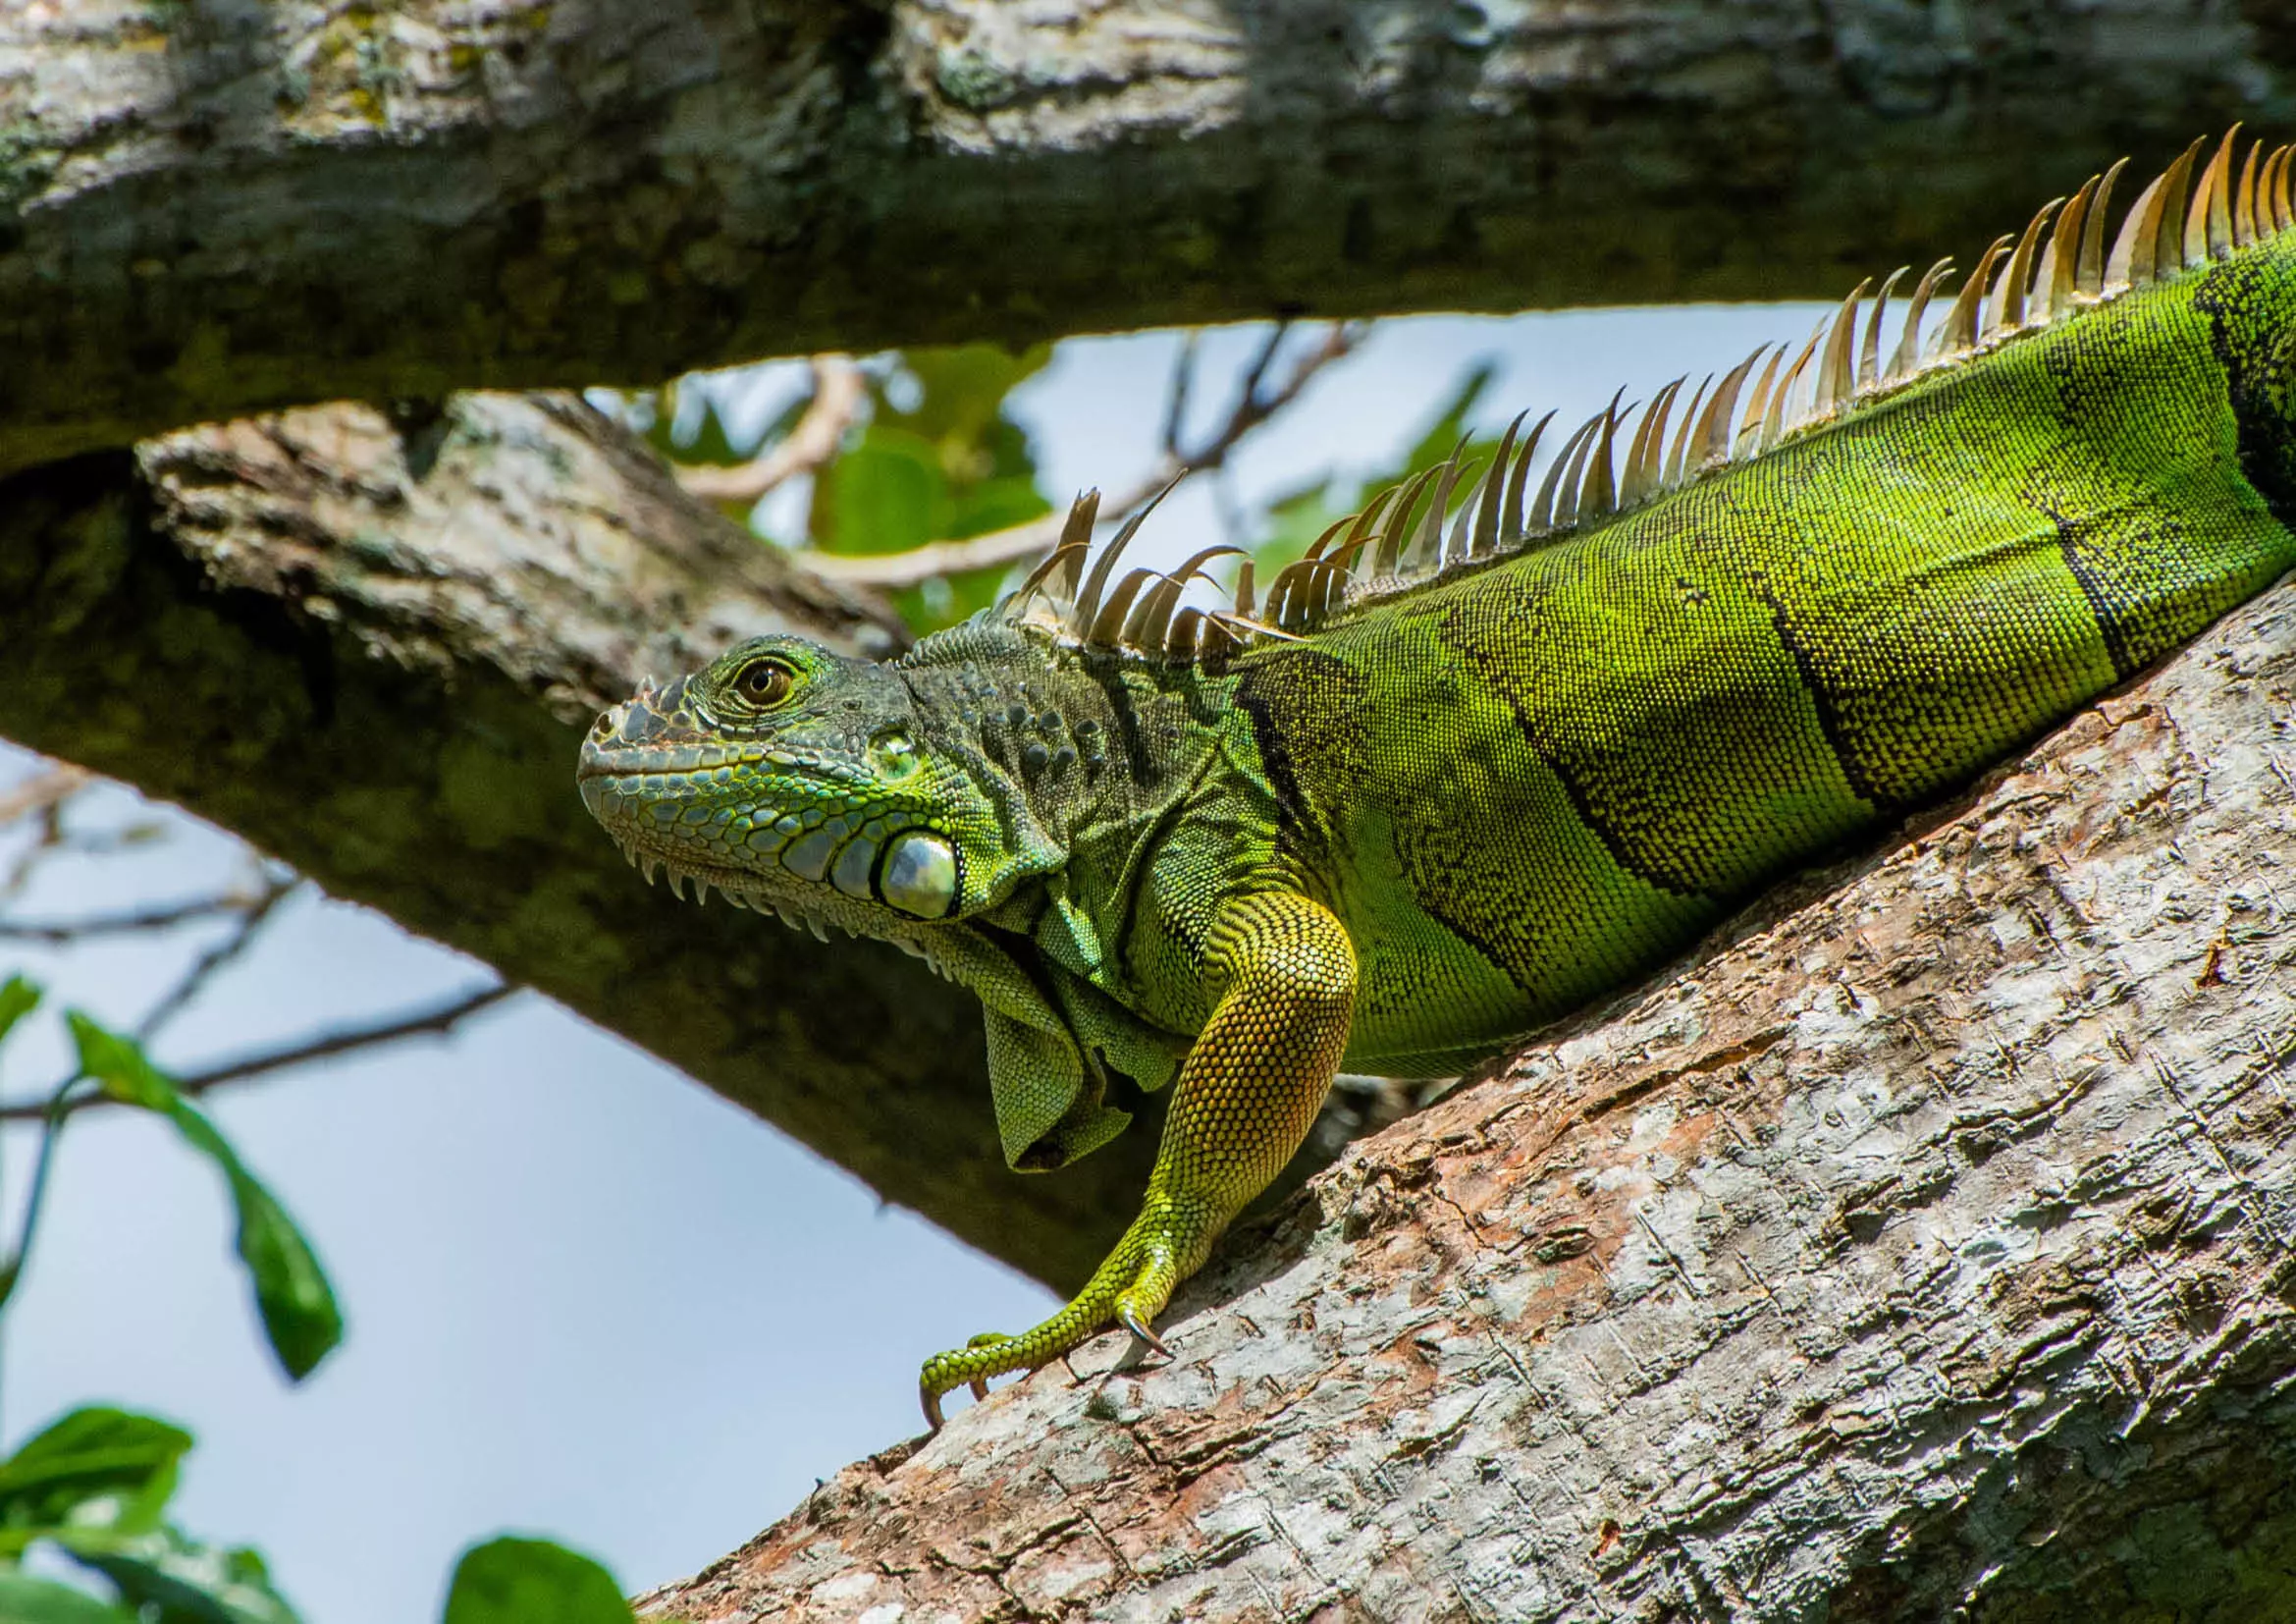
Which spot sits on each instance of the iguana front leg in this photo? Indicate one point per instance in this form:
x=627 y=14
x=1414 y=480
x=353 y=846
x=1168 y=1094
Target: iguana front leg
x=1282 y=973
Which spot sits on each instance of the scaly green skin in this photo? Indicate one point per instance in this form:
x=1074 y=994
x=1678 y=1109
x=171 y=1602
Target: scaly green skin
x=1456 y=813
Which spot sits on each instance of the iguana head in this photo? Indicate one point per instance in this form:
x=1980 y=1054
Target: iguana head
x=799 y=780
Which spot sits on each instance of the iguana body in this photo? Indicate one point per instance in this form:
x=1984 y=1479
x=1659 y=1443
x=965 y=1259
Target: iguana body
x=1413 y=820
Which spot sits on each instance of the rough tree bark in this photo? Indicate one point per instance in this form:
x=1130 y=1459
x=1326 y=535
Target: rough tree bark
x=371 y=647
x=209 y=207
x=1919 y=1248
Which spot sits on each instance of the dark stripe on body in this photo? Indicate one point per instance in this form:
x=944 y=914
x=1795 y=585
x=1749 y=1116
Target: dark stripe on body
x=2259 y=383
x=1499 y=676
x=2071 y=537
x=1108 y=675
x=1831 y=723
x=1307 y=716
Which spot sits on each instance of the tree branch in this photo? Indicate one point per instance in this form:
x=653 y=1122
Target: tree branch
x=44 y=790
x=1919 y=1248
x=884 y=571
x=435 y=1022
x=218 y=957
x=44 y=797
x=206 y=210
x=839 y=391
x=1019 y=543
x=438 y=1021
x=166 y=916
x=369 y=646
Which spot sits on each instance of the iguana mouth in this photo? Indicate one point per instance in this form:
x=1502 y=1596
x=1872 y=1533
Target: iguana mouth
x=684 y=808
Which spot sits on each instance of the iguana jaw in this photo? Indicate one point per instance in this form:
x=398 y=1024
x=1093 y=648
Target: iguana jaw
x=814 y=846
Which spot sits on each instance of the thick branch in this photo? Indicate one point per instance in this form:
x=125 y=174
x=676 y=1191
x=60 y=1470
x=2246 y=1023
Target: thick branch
x=370 y=648
x=208 y=207
x=1922 y=1244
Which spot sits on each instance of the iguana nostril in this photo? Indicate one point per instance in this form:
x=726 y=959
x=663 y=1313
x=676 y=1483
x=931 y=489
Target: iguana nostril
x=641 y=726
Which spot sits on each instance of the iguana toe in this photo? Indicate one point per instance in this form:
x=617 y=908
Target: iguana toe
x=1130 y=1288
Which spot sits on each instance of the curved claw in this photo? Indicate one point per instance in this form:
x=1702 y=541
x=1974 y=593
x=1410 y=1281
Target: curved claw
x=1132 y=1321
x=1130 y=1288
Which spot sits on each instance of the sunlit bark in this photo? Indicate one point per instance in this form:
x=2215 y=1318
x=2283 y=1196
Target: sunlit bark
x=209 y=208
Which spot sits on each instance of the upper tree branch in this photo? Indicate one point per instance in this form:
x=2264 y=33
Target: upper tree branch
x=209 y=208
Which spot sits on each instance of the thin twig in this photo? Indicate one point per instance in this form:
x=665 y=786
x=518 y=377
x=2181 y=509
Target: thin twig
x=56 y=933
x=53 y=1114
x=1260 y=362
x=1176 y=399
x=838 y=389
x=216 y=957
x=937 y=558
x=439 y=1021
x=1040 y=536
x=42 y=797
x=436 y=1022
x=42 y=790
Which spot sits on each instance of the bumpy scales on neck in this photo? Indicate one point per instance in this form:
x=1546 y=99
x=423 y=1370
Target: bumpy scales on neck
x=1512 y=735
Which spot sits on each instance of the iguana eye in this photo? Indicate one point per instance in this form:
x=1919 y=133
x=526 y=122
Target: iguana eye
x=765 y=684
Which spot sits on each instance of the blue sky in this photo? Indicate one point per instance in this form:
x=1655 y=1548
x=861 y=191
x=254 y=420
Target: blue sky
x=586 y=1297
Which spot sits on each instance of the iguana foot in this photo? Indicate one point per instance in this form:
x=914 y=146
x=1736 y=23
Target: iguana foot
x=1130 y=1288
x=1248 y=1094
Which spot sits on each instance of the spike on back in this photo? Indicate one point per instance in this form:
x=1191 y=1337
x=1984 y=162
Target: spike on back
x=1459 y=515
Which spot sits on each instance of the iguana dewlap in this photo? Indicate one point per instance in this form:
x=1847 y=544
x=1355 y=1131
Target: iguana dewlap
x=1463 y=769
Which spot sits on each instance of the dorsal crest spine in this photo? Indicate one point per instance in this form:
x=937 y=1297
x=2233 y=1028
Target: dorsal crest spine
x=1410 y=534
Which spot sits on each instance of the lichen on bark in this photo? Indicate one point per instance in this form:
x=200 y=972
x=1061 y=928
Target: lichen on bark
x=211 y=209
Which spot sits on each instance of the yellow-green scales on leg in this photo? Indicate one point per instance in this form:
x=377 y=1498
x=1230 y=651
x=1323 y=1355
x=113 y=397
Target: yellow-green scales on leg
x=1457 y=775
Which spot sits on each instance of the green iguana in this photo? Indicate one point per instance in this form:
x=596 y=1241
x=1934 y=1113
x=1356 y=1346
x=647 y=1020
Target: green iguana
x=1456 y=775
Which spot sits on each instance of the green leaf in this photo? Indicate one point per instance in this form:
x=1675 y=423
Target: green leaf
x=24 y=1599
x=1294 y=521
x=300 y=1316
x=179 y=1581
x=996 y=503
x=96 y=1484
x=963 y=389
x=512 y=1580
x=18 y=997
x=709 y=443
x=886 y=495
x=298 y=1306
x=118 y=1066
x=91 y=1455
x=1445 y=431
